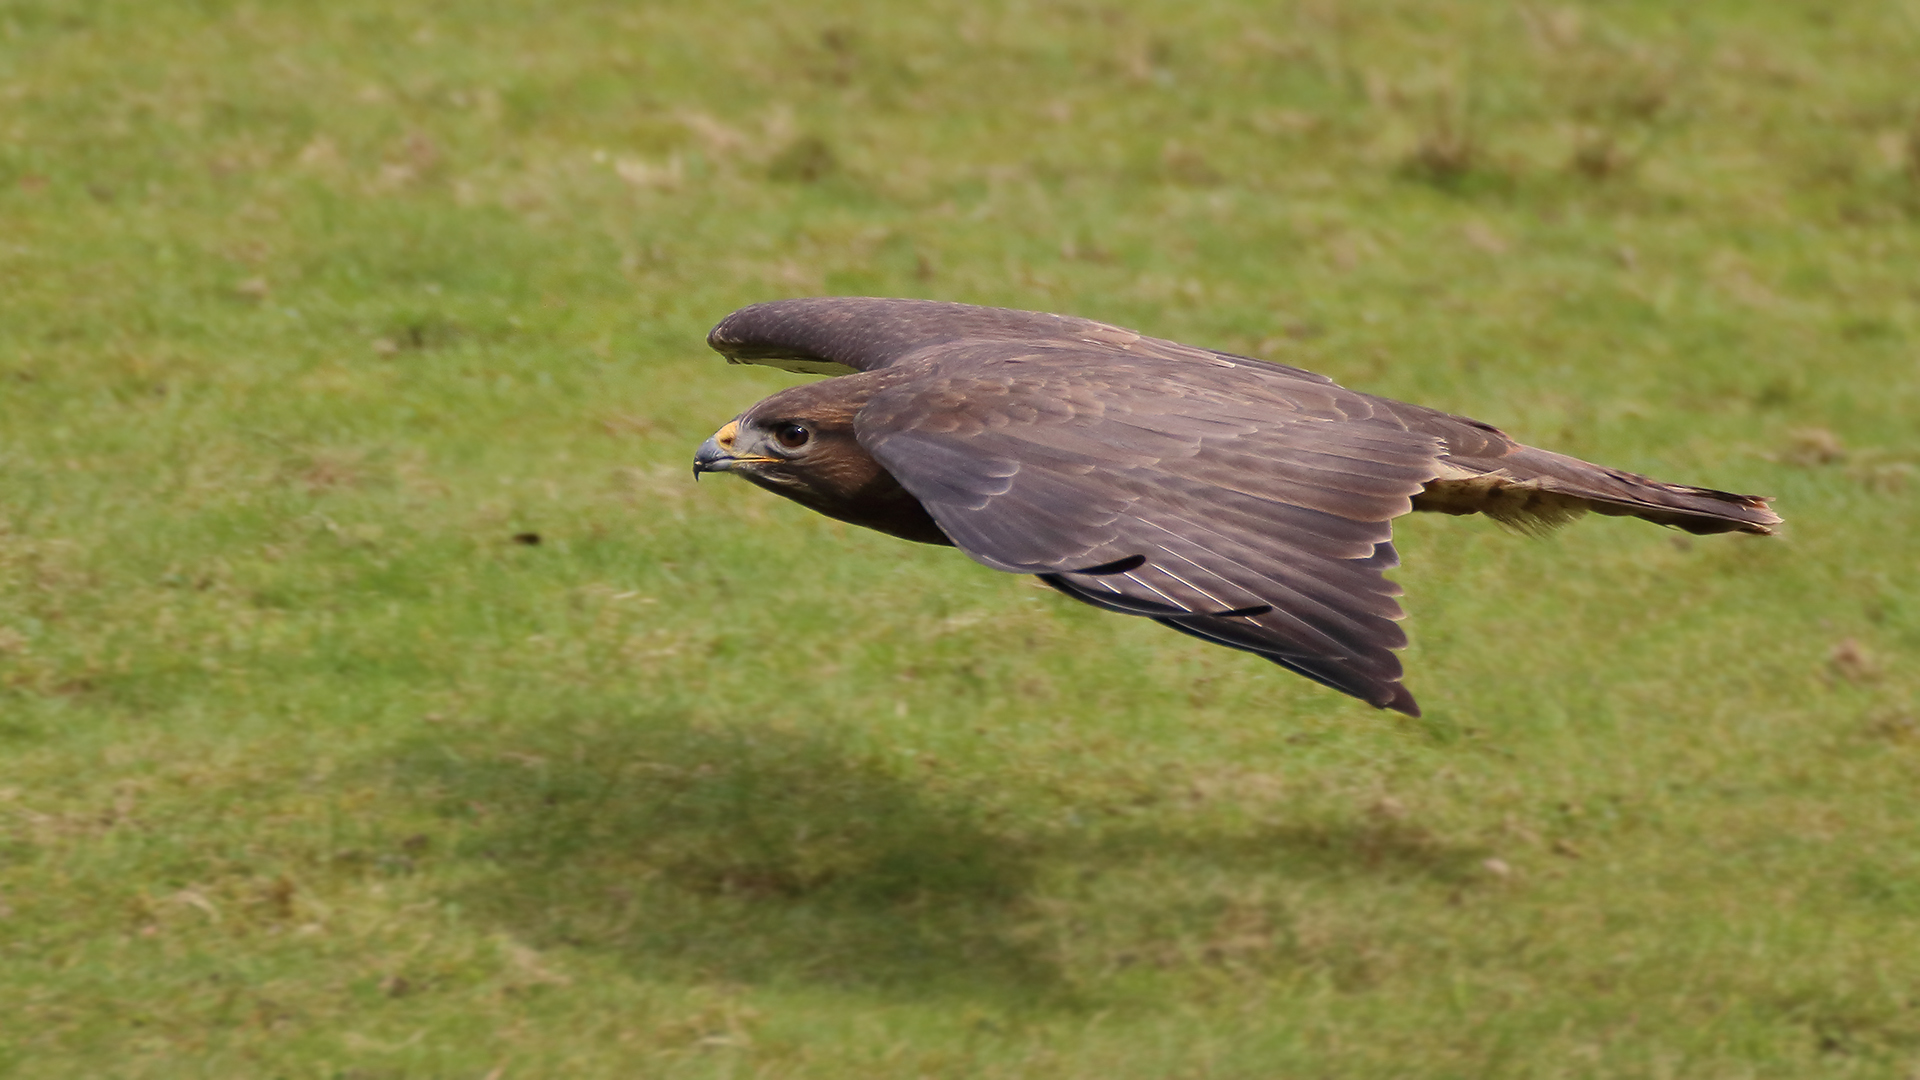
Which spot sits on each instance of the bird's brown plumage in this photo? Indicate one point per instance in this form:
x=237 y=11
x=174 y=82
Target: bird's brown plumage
x=1244 y=502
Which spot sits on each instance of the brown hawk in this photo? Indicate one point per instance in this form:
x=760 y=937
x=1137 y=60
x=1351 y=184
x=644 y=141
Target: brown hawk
x=1244 y=502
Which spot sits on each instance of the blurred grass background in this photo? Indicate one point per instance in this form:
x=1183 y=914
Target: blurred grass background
x=309 y=769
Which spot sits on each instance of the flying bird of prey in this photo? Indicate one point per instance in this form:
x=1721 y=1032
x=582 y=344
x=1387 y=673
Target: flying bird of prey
x=1244 y=502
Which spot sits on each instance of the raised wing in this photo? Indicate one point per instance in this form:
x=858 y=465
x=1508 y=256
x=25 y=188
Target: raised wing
x=841 y=335
x=1241 y=503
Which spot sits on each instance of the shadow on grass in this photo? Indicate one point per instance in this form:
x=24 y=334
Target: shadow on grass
x=758 y=855
x=765 y=855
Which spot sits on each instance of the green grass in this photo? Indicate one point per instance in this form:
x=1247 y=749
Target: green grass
x=307 y=769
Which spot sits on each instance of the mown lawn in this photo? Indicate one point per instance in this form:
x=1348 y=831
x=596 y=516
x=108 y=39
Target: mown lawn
x=313 y=314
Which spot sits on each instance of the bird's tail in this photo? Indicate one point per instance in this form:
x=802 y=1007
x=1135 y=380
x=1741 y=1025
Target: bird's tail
x=1537 y=490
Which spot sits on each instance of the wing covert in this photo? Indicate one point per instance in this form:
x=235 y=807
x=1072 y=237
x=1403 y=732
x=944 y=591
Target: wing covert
x=1255 y=519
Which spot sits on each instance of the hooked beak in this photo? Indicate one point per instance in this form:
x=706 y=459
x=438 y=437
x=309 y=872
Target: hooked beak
x=716 y=454
x=710 y=458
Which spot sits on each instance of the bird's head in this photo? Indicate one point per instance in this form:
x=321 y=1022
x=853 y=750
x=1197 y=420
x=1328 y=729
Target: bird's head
x=791 y=443
x=771 y=451
x=801 y=443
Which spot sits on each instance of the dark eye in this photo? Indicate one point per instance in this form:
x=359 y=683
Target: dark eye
x=792 y=436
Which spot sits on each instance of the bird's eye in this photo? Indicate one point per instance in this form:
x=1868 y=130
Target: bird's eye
x=792 y=436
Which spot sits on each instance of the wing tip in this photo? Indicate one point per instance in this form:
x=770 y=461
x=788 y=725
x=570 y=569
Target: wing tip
x=833 y=335
x=1400 y=700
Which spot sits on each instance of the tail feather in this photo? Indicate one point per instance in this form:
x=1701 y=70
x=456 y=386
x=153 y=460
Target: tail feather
x=1538 y=490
